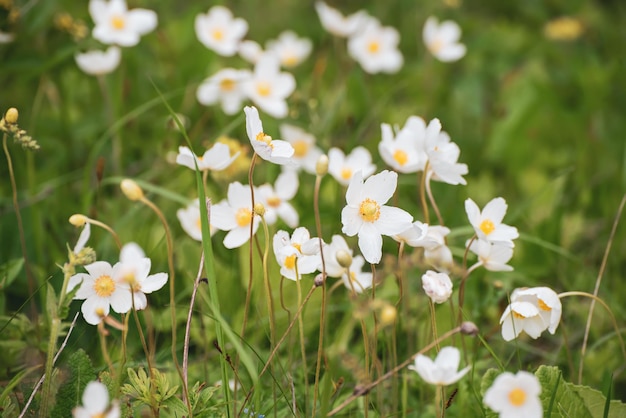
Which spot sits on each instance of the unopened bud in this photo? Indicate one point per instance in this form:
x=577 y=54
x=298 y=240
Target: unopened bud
x=388 y=315
x=469 y=328
x=344 y=258
x=11 y=115
x=259 y=209
x=321 y=167
x=78 y=220
x=319 y=280
x=131 y=189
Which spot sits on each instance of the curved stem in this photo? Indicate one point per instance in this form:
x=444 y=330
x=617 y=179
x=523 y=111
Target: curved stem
x=432 y=199
x=108 y=229
x=423 y=196
x=464 y=279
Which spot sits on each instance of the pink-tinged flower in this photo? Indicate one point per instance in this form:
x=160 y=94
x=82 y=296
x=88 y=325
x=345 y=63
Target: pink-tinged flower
x=272 y=150
x=102 y=289
x=216 y=158
x=135 y=271
x=268 y=88
x=235 y=215
x=339 y=25
x=305 y=153
x=99 y=62
x=437 y=286
x=296 y=255
x=355 y=279
x=375 y=48
x=290 y=49
x=442 y=40
x=546 y=300
x=115 y=24
x=492 y=256
x=225 y=87
x=515 y=395
x=405 y=152
x=444 y=370
x=96 y=403
x=488 y=222
x=367 y=216
x=276 y=199
x=189 y=218
x=219 y=31
x=521 y=316
x=343 y=167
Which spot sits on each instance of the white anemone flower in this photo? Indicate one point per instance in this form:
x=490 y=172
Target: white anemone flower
x=546 y=300
x=273 y=150
x=355 y=279
x=333 y=268
x=342 y=167
x=522 y=316
x=493 y=256
x=404 y=152
x=437 y=286
x=515 y=395
x=442 y=40
x=298 y=254
x=219 y=31
x=367 y=216
x=102 y=289
x=115 y=24
x=443 y=155
x=488 y=222
x=225 y=87
x=250 y=51
x=276 y=199
x=268 y=87
x=415 y=234
x=135 y=271
x=336 y=23
x=290 y=49
x=99 y=62
x=216 y=158
x=444 y=370
x=306 y=154
x=189 y=218
x=235 y=215
x=375 y=48
x=96 y=403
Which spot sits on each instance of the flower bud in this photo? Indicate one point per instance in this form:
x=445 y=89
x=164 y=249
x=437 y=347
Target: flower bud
x=131 y=189
x=321 y=167
x=437 y=286
x=11 y=115
x=259 y=209
x=78 y=220
x=344 y=258
x=319 y=280
x=388 y=315
x=469 y=328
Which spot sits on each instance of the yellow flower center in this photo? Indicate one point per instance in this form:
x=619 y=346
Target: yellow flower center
x=243 y=217
x=300 y=148
x=346 y=173
x=400 y=157
x=100 y=312
x=118 y=22
x=199 y=223
x=543 y=306
x=487 y=226
x=373 y=47
x=290 y=262
x=297 y=246
x=274 y=201
x=132 y=281
x=263 y=88
x=227 y=84
x=264 y=138
x=435 y=46
x=290 y=61
x=369 y=210
x=517 y=397
x=517 y=315
x=104 y=286
x=218 y=34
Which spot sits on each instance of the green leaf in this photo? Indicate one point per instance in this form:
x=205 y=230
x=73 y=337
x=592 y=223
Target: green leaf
x=485 y=384
x=567 y=403
x=595 y=401
x=69 y=395
x=9 y=272
x=51 y=302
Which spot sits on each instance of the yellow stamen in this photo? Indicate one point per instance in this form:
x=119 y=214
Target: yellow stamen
x=274 y=201
x=104 y=286
x=435 y=46
x=118 y=22
x=132 y=281
x=243 y=217
x=297 y=246
x=300 y=148
x=227 y=84
x=290 y=61
x=487 y=226
x=518 y=315
x=517 y=397
x=217 y=34
x=401 y=157
x=543 y=306
x=264 y=138
x=346 y=173
x=100 y=312
x=373 y=47
x=290 y=262
x=263 y=88
x=369 y=210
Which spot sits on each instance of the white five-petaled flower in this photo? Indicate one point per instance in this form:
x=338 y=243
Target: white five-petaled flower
x=546 y=300
x=375 y=48
x=135 y=271
x=268 y=87
x=189 y=218
x=96 y=403
x=342 y=167
x=290 y=49
x=115 y=24
x=272 y=150
x=366 y=214
x=219 y=31
x=354 y=278
x=215 y=158
x=414 y=235
x=276 y=199
x=306 y=154
x=436 y=252
x=444 y=370
x=226 y=87
x=235 y=215
x=339 y=25
x=532 y=310
x=99 y=62
x=298 y=254
x=437 y=286
x=442 y=40
x=102 y=289
x=404 y=152
x=515 y=395
x=443 y=155
x=493 y=256
x=488 y=222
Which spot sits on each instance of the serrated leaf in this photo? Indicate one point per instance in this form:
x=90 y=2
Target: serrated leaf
x=70 y=393
x=567 y=403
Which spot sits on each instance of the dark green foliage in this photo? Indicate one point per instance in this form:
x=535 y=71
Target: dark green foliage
x=80 y=373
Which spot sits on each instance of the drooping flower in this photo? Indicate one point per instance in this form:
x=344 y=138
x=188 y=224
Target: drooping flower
x=521 y=316
x=493 y=256
x=96 y=403
x=515 y=395
x=219 y=31
x=296 y=255
x=216 y=158
x=443 y=155
x=442 y=40
x=272 y=150
x=366 y=214
x=354 y=278
x=306 y=154
x=547 y=302
x=189 y=218
x=115 y=24
x=488 y=222
x=405 y=152
x=336 y=23
x=436 y=252
x=375 y=48
x=225 y=87
x=99 y=62
x=268 y=87
x=290 y=49
x=342 y=167
x=102 y=289
x=444 y=370
x=235 y=215
x=414 y=235
x=276 y=199
x=437 y=286
x=135 y=271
